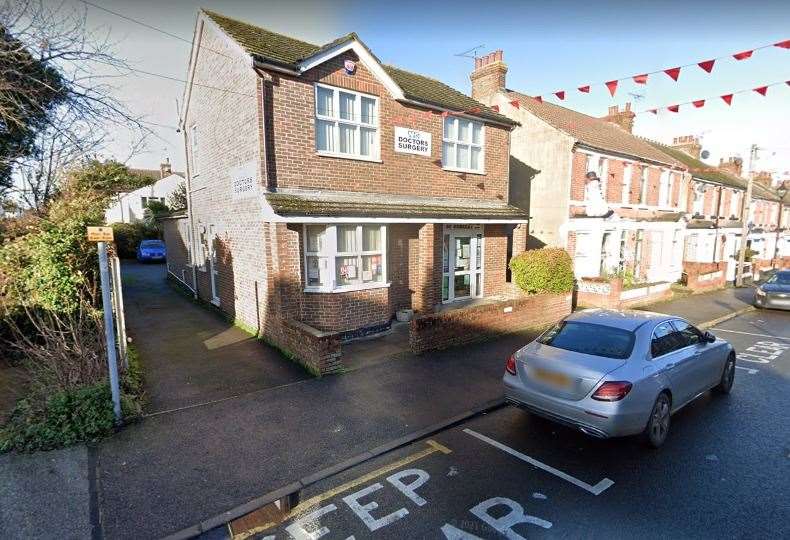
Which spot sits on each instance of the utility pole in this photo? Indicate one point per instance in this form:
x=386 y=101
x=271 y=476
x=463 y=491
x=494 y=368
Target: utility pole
x=745 y=211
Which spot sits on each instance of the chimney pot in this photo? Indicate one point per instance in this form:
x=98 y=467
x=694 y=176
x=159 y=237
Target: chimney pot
x=488 y=76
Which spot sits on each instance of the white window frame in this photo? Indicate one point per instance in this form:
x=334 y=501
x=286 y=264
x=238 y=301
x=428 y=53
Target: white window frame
x=193 y=148
x=602 y=170
x=644 y=184
x=456 y=142
x=330 y=253
x=355 y=122
x=735 y=208
x=628 y=171
x=664 y=191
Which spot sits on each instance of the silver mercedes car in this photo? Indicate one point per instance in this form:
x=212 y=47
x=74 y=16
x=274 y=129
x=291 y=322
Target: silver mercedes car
x=614 y=373
x=775 y=292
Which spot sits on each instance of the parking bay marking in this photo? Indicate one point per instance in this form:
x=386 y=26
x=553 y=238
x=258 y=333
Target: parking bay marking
x=597 y=489
x=249 y=531
x=750 y=333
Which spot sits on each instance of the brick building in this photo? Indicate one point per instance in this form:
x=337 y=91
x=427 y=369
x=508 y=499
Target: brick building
x=638 y=225
x=327 y=190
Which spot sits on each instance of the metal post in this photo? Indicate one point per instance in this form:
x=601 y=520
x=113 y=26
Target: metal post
x=747 y=203
x=117 y=289
x=109 y=334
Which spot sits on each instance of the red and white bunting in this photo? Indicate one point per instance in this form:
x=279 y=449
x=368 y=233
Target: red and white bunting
x=783 y=44
x=612 y=86
x=707 y=65
x=654 y=111
x=584 y=89
x=641 y=79
x=727 y=98
x=673 y=108
x=673 y=73
x=515 y=103
x=762 y=90
x=560 y=95
x=743 y=55
x=699 y=103
x=539 y=99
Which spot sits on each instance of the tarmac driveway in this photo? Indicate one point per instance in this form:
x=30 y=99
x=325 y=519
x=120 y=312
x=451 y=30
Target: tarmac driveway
x=191 y=355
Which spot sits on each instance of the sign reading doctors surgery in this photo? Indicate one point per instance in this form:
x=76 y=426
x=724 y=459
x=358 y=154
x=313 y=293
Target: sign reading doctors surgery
x=411 y=141
x=243 y=181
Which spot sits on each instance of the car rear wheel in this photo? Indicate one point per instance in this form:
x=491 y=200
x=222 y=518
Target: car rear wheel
x=658 y=425
x=727 y=376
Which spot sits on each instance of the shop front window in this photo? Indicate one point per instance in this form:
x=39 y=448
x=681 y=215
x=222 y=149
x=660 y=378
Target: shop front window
x=345 y=257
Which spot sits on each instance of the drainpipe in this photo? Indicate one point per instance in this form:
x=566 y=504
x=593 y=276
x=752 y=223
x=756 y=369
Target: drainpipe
x=190 y=217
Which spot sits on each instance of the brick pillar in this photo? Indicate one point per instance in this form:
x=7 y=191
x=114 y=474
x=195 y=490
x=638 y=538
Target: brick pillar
x=428 y=291
x=520 y=234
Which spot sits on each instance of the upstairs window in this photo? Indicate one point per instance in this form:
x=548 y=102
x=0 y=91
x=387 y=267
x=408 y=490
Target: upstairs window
x=644 y=182
x=462 y=145
x=346 y=123
x=626 y=195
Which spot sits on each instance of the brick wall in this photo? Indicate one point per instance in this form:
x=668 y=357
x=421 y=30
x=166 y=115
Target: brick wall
x=299 y=165
x=704 y=276
x=494 y=260
x=319 y=351
x=467 y=325
x=176 y=240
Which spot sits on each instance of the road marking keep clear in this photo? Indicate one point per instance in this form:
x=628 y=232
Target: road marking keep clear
x=762 y=352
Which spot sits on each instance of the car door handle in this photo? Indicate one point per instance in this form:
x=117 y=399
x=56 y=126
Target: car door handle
x=670 y=365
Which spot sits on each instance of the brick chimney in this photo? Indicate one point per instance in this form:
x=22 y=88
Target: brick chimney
x=763 y=177
x=165 y=169
x=489 y=76
x=733 y=165
x=624 y=118
x=688 y=144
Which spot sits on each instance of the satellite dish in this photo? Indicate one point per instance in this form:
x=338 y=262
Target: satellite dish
x=705 y=154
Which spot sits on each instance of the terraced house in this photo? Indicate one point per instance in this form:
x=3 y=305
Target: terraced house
x=328 y=191
x=631 y=225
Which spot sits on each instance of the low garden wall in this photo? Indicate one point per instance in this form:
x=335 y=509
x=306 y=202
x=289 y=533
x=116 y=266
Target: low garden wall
x=318 y=351
x=699 y=276
x=612 y=294
x=474 y=323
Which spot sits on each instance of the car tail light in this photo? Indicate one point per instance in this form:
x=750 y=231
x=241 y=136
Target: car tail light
x=612 y=391
x=510 y=367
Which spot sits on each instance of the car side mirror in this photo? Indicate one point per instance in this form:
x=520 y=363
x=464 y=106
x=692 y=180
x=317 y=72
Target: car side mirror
x=708 y=337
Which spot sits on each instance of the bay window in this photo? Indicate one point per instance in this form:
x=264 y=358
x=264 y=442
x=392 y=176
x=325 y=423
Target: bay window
x=462 y=145
x=346 y=123
x=344 y=256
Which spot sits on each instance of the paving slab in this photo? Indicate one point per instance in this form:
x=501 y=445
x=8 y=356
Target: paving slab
x=45 y=495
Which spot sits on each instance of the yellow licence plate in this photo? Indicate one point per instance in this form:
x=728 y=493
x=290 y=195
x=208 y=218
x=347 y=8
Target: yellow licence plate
x=551 y=377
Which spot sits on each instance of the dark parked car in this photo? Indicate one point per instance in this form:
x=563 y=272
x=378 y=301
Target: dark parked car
x=151 y=250
x=775 y=292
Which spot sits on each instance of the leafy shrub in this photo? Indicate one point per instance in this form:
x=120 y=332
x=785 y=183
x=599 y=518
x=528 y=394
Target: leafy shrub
x=545 y=270
x=129 y=235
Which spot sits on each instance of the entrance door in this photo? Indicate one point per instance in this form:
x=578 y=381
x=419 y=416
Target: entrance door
x=212 y=263
x=462 y=265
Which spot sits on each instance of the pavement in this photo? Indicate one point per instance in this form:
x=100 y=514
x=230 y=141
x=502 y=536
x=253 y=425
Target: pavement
x=208 y=445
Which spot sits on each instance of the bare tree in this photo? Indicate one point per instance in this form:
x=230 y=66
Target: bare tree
x=55 y=93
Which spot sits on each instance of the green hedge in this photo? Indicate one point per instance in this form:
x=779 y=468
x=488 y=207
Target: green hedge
x=546 y=270
x=129 y=235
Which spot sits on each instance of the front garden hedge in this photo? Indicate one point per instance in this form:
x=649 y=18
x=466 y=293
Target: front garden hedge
x=545 y=270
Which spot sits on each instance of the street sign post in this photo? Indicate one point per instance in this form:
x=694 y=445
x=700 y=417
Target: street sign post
x=102 y=235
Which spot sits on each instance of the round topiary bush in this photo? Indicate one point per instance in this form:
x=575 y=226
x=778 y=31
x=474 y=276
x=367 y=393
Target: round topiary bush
x=546 y=270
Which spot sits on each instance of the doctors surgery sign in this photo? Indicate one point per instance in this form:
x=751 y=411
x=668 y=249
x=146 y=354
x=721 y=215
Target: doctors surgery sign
x=411 y=141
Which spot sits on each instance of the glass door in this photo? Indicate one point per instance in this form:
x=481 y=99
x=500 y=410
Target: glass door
x=462 y=265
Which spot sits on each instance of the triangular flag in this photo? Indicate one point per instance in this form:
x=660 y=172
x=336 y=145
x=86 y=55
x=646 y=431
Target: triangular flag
x=560 y=94
x=699 y=103
x=674 y=73
x=516 y=104
x=612 y=86
x=742 y=55
x=585 y=89
x=783 y=44
x=787 y=83
x=707 y=65
x=762 y=90
x=539 y=99
x=495 y=108
x=654 y=111
x=640 y=79
x=673 y=108
x=727 y=99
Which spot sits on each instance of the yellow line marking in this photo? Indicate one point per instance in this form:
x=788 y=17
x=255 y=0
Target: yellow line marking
x=433 y=447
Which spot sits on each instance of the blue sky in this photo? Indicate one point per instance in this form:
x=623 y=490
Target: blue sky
x=548 y=46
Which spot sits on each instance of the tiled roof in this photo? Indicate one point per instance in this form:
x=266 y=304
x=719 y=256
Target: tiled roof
x=287 y=51
x=700 y=169
x=308 y=203
x=593 y=132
